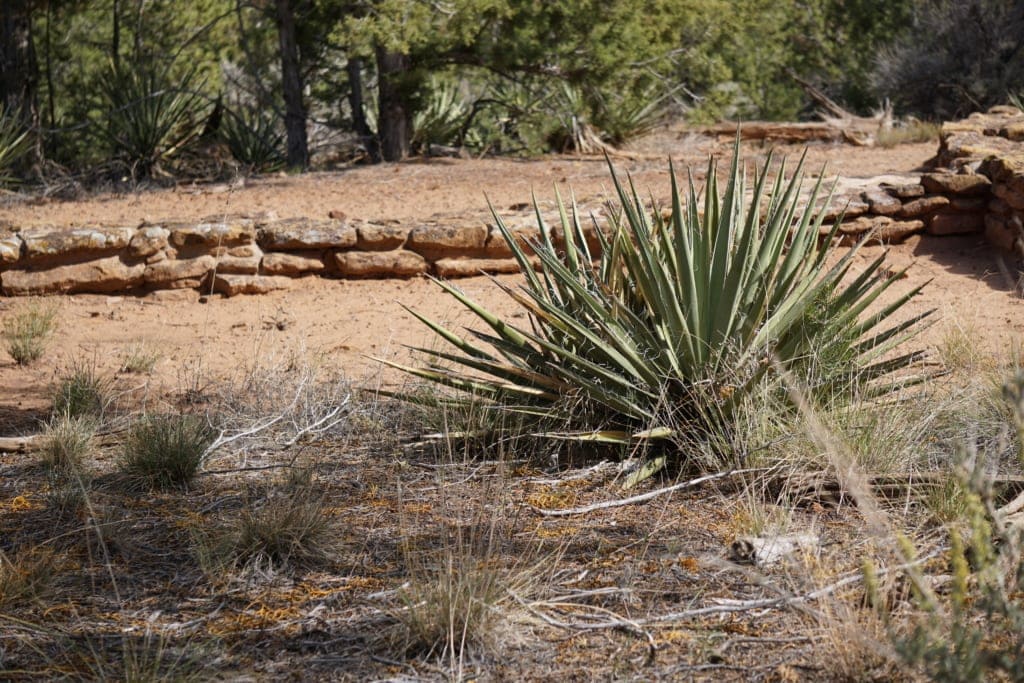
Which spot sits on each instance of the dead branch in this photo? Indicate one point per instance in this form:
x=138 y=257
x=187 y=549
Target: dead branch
x=643 y=496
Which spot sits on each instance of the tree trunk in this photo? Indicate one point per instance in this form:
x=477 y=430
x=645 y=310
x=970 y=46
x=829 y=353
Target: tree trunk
x=291 y=80
x=394 y=123
x=355 y=103
x=19 y=77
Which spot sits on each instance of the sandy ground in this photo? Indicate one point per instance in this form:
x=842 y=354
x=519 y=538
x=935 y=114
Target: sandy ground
x=344 y=323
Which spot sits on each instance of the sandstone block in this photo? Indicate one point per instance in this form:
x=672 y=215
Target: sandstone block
x=381 y=237
x=847 y=207
x=240 y=265
x=881 y=202
x=496 y=247
x=293 y=263
x=999 y=233
x=468 y=267
x=76 y=244
x=969 y=204
x=10 y=248
x=1013 y=131
x=971 y=184
x=148 y=240
x=302 y=235
x=907 y=191
x=241 y=231
x=1008 y=195
x=924 y=206
x=997 y=205
x=400 y=263
x=956 y=223
x=179 y=273
x=882 y=230
x=446 y=239
x=108 y=274
x=231 y=285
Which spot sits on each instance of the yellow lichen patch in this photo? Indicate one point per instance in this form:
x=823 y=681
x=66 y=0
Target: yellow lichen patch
x=20 y=504
x=551 y=498
x=672 y=637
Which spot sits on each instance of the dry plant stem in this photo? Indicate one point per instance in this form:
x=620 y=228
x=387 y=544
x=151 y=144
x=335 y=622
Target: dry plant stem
x=726 y=606
x=645 y=496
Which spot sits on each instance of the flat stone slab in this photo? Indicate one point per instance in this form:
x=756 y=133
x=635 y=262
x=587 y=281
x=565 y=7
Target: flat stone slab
x=301 y=235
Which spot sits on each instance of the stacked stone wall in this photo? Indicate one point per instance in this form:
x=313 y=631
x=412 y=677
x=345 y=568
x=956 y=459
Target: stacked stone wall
x=977 y=187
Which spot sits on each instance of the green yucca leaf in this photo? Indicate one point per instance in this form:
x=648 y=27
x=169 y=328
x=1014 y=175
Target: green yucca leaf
x=677 y=322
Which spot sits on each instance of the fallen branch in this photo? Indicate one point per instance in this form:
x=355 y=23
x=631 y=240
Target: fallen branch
x=643 y=496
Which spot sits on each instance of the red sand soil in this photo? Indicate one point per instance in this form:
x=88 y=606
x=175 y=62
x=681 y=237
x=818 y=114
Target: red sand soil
x=345 y=322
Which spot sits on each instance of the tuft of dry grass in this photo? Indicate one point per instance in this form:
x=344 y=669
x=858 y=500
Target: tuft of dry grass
x=67 y=441
x=25 y=576
x=28 y=330
x=910 y=132
x=82 y=392
x=166 y=451
x=290 y=529
x=140 y=358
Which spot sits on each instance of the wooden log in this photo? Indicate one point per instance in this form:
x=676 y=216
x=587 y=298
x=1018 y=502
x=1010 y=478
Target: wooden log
x=20 y=444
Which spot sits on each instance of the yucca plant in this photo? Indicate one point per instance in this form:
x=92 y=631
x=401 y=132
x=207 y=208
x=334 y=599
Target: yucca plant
x=442 y=115
x=678 y=321
x=15 y=143
x=254 y=139
x=149 y=115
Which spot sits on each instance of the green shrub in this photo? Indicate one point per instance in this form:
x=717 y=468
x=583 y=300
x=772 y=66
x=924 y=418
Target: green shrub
x=679 y=320
x=27 y=332
x=166 y=451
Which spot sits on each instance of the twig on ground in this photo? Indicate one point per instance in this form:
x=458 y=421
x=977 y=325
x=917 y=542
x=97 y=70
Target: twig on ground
x=643 y=496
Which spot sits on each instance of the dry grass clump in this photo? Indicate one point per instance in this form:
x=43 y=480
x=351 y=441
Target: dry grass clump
x=139 y=358
x=82 y=392
x=166 y=451
x=289 y=529
x=25 y=576
x=910 y=132
x=67 y=441
x=27 y=332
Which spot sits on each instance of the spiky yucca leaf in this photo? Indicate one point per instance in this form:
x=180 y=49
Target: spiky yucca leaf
x=679 y=320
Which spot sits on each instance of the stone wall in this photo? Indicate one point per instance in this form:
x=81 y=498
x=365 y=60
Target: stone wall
x=977 y=187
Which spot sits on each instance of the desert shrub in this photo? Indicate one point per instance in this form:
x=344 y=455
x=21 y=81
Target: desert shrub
x=254 y=139
x=972 y=57
x=149 y=115
x=27 y=332
x=908 y=133
x=166 y=451
x=82 y=392
x=678 y=321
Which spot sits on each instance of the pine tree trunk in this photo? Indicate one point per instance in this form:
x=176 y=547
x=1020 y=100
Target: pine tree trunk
x=394 y=123
x=355 y=101
x=19 y=77
x=295 y=111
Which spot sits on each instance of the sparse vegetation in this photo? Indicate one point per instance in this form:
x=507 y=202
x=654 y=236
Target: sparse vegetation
x=166 y=451
x=27 y=331
x=25 y=576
